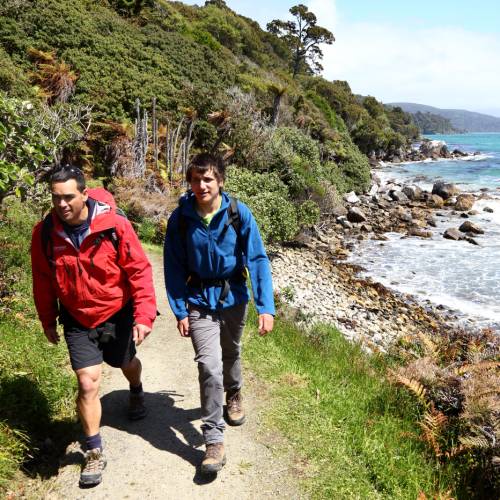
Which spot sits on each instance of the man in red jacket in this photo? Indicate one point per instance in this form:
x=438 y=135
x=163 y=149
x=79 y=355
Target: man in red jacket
x=91 y=275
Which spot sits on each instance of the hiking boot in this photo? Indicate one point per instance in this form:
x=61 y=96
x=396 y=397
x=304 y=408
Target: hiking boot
x=235 y=413
x=136 y=408
x=95 y=463
x=214 y=460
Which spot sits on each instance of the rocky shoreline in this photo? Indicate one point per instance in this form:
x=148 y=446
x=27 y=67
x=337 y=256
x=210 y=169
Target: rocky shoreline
x=313 y=277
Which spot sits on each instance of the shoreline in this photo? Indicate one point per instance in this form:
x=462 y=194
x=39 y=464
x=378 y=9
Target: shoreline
x=316 y=279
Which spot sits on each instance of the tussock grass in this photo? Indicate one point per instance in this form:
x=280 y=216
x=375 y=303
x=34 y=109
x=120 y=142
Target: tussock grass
x=356 y=433
x=37 y=389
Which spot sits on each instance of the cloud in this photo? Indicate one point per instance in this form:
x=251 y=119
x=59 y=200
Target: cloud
x=445 y=67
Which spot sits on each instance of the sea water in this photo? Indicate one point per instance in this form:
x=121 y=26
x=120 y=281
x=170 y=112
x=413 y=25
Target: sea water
x=455 y=274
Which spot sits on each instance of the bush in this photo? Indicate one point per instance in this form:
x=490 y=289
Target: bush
x=294 y=157
x=268 y=199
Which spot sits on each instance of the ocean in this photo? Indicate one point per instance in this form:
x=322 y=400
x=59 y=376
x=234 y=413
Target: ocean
x=453 y=274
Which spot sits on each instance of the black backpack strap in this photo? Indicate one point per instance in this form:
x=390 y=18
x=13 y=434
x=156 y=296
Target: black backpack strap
x=233 y=219
x=47 y=247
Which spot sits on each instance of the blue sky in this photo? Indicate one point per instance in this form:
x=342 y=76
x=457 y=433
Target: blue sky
x=443 y=53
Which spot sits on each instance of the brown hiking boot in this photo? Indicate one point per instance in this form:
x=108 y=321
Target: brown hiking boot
x=136 y=408
x=91 y=474
x=214 y=460
x=235 y=412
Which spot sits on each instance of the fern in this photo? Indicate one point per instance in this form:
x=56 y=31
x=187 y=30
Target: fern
x=414 y=386
x=432 y=425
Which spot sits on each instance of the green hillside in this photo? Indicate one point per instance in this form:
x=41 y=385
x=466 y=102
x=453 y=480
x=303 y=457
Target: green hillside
x=198 y=60
x=460 y=119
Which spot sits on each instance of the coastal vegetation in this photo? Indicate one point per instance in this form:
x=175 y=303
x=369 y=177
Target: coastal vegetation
x=460 y=119
x=429 y=123
x=128 y=90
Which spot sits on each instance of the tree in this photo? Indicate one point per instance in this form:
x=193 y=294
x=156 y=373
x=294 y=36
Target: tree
x=303 y=37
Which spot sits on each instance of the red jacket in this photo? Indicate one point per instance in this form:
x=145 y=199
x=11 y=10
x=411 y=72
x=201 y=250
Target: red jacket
x=93 y=287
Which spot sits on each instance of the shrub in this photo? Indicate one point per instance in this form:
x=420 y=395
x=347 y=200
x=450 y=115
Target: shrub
x=268 y=199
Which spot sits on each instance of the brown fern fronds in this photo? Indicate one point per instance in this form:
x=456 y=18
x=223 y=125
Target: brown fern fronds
x=414 y=386
x=480 y=367
x=432 y=425
x=476 y=442
x=431 y=348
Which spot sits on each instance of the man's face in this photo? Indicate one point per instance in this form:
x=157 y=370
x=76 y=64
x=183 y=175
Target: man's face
x=205 y=187
x=68 y=202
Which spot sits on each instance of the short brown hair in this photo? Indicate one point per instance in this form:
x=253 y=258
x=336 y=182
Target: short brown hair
x=204 y=162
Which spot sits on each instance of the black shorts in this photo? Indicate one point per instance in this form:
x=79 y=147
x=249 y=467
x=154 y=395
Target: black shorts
x=85 y=347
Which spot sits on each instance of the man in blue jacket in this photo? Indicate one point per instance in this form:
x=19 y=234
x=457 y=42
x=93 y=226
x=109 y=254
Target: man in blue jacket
x=212 y=241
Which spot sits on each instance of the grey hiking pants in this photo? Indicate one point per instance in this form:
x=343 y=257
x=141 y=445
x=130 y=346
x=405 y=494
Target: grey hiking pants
x=216 y=338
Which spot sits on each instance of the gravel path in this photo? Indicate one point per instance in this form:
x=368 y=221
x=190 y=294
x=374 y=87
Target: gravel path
x=157 y=458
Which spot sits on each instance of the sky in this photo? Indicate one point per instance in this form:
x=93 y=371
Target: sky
x=442 y=53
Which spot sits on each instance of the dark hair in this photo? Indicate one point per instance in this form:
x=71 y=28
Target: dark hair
x=67 y=173
x=203 y=162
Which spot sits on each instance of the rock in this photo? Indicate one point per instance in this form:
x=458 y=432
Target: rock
x=344 y=223
x=488 y=209
x=452 y=234
x=435 y=201
x=472 y=241
x=472 y=212
x=339 y=211
x=398 y=196
x=351 y=197
x=433 y=148
x=413 y=231
x=464 y=202
x=366 y=227
x=444 y=190
x=412 y=192
x=355 y=215
x=470 y=227
x=432 y=222
x=457 y=152
x=373 y=190
x=464 y=216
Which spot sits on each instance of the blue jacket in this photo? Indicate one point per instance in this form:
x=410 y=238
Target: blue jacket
x=213 y=253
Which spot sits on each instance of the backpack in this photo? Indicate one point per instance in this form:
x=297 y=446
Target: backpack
x=99 y=194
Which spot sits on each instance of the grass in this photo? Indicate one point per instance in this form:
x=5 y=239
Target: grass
x=356 y=433
x=37 y=388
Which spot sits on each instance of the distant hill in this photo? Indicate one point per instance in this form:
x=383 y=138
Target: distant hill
x=460 y=119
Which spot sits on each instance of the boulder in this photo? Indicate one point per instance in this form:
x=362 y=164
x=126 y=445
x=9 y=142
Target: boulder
x=435 y=201
x=339 y=211
x=470 y=227
x=464 y=202
x=452 y=233
x=356 y=215
x=351 y=197
x=488 y=209
x=430 y=148
x=414 y=231
x=457 y=152
x=445 y=190
x=398 y=196
x=412 y=192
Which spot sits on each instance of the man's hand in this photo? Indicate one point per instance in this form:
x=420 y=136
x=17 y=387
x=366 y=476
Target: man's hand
x=140 y=332
x=51 y=334
x=183 y=327
x=266 y=323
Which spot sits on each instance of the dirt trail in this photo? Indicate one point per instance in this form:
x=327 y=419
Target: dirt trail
x=157 y=458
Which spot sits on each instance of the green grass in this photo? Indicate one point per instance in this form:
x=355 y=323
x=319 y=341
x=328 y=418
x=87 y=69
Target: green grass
x=356 y=432
x=37 y=387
